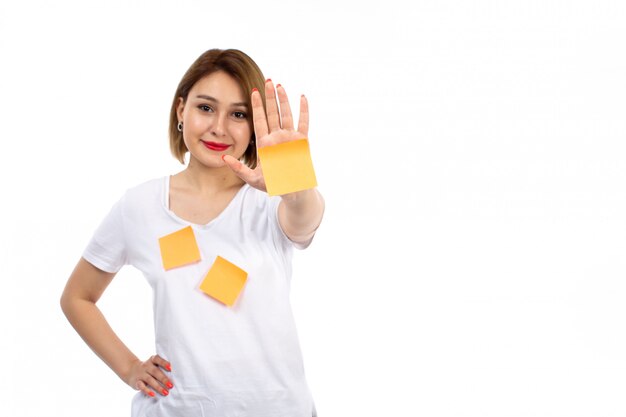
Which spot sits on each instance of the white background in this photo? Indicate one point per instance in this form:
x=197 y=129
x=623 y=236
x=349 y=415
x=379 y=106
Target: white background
x=471 y=262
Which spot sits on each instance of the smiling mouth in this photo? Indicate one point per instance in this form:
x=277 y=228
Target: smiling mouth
x=215 y=146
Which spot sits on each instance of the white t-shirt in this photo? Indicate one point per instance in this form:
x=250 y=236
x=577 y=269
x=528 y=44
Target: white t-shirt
x=243 y=360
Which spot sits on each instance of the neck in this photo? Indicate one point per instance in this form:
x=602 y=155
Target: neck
x=209 y=180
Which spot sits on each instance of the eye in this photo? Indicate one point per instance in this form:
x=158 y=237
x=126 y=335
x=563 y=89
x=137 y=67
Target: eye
x=205 y=108
x=240 y=115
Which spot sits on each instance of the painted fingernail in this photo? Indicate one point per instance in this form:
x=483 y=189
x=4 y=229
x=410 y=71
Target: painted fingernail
x=223 y=156
x=165 y=392
x=278 y=85
x=151 y=394
x=269 y=80
x=254 y=89
x=169 y=385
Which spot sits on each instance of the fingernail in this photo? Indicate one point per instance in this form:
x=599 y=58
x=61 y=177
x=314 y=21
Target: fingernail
x=277 y=85
x=254 y=89
x=223 y=156
x=151 y=394
x=169 y=385
x=269 y=80
x=165 y=392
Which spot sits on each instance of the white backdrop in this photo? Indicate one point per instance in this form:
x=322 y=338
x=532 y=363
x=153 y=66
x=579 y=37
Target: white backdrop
x=471 y=262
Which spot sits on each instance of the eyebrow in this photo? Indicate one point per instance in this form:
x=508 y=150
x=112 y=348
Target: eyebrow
x=213 y=99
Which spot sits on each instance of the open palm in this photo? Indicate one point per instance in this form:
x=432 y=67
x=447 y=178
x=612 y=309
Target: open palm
x=271 y=130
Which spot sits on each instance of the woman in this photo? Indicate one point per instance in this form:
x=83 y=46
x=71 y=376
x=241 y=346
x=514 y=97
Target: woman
x=211 y=359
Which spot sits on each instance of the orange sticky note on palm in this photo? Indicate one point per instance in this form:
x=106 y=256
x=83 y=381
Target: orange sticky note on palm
x=179 y=248
x=224 y=281
x=287 y=167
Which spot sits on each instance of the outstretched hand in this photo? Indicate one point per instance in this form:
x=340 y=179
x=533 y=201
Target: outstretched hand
x=271 y=130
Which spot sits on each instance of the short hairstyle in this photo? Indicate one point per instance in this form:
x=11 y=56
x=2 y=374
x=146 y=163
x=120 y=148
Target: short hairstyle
x=236 y=64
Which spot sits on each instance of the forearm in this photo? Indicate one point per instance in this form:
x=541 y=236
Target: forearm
x=91 y=325
x=301 y=214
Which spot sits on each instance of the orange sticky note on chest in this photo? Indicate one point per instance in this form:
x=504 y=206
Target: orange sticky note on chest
x=179 y=248
x=287 y=167
x=224 y=281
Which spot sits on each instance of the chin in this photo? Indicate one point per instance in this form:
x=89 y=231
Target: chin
x=208 y=161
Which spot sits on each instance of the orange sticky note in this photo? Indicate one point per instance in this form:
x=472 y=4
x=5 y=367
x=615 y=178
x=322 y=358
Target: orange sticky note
x=179 y=248
x=224 y=281
x=287 y=167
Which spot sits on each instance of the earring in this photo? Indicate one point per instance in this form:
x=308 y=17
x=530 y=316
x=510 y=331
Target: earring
x=180 y=126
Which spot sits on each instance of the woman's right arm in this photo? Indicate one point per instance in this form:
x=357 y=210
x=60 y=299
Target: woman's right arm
x=83 y=290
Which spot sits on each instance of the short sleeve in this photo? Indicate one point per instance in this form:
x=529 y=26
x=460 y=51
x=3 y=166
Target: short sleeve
x=107 y=248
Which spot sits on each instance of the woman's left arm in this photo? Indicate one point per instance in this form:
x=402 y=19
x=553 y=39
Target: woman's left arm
x=300 y=214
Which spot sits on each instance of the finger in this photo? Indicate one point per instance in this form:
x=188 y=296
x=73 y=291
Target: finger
x=141 y=386
x=159 y=361
x=273 y=119
x=303 y=120
x=285 y=109
x=242 y=171
x=161 y=378
x=258 y=115
x=155 y=385
x=250 y=176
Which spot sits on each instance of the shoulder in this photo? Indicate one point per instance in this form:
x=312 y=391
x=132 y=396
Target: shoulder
x=259 y=212
x=152 y=186
x=257 y=200
x=144 y=191
x=141 y=196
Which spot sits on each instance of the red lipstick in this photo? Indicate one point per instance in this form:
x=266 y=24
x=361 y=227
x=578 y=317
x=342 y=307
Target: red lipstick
x=216 y=146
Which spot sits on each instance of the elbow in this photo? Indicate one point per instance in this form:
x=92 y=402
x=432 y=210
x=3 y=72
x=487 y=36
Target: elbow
x=67 y=302
x=64 y=303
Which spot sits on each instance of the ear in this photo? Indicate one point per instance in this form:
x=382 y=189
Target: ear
x=179 y=108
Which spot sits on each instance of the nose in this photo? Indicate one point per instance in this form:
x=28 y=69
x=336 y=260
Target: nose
x=218 y=128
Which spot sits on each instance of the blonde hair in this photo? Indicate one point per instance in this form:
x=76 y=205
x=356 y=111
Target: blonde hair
x=236 y=64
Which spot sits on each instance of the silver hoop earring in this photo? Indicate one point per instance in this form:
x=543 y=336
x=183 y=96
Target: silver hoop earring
x=180 y=126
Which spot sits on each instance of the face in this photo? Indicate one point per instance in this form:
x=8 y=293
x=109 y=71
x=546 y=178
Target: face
x=216 y=120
